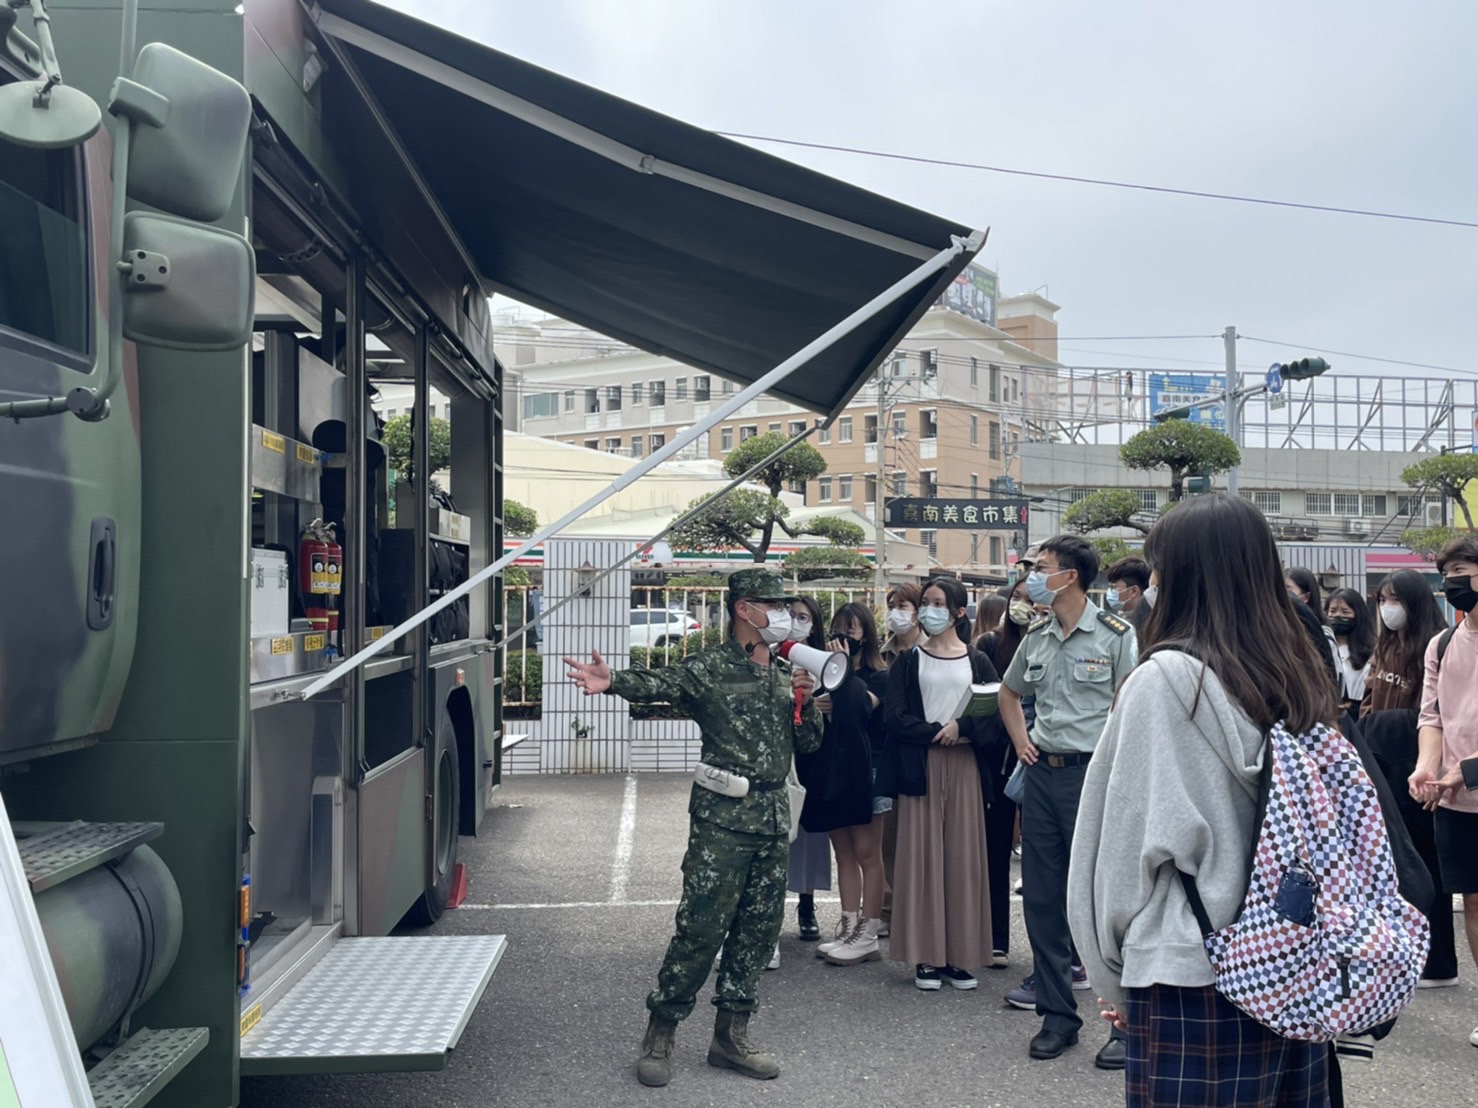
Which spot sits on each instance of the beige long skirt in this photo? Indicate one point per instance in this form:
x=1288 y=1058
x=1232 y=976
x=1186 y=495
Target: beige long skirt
x=941 y=899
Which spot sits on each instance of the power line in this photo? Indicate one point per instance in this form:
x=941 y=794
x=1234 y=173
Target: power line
x=1362 y=357
x=1165 y=189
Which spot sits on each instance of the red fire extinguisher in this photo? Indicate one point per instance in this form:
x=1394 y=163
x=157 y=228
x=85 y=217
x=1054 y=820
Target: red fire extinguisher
x=321 y=577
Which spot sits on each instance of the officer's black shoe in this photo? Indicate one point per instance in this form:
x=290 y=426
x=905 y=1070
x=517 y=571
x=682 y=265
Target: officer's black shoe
x=1050 y=1044
x=1112 y=1056
x=806 y=916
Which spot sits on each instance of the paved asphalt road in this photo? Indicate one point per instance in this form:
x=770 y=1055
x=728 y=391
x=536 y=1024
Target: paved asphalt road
x=562 y=1019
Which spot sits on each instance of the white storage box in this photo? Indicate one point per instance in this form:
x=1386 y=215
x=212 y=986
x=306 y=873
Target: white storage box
x=270 y=580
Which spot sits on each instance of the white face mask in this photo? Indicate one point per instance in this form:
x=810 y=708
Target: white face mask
x=900 y=622
x=777 y=630
x=800 y=628
x=1393 y=616
x=1151 y=594
x=935 y=620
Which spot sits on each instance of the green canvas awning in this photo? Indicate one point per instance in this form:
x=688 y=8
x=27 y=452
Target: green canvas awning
x=638 y=226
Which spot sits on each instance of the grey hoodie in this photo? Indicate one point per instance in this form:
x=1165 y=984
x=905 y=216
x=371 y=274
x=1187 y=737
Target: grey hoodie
x=1166 y=791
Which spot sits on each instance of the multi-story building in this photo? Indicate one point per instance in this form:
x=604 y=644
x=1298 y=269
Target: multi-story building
x=945 y=415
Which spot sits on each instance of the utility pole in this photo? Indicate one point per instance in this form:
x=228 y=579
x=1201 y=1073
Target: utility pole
x=1233 y=402
x=880 y=533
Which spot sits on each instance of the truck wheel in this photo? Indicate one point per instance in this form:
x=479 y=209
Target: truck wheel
x=446 y=804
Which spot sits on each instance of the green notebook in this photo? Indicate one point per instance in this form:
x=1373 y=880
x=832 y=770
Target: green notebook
x=979 y=700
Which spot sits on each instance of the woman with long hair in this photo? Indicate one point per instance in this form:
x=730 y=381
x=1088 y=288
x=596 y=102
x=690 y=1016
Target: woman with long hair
x=1409 y=619
x=1348 y=616
x=810 y=853
x=848 y=808
x=1173 y=788
x=941 y=918
x=1303 y=585
x=989 y=612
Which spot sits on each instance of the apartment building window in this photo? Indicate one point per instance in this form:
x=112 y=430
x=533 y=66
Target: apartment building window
x=824 y=435
x=1318 y=504
x=974 y=485
x=775 y=428
x=900 y=363
x=844 y=429
x=726 y=439
x=930 y=539
x=748 y=431
x=592 y=401
x=592 y=444
x=993 y=436
x=657 y=391
x=636 y=394
x=1149 y=499
x=929 y=362
x=797 y=427
x=637 y=444
x=870 y=489
x=727 y=388
x=538 y=406
x=613 y=446
x=680 y=389
x=1074 y=495
x=1347 y=503
x=1015 y=395
x=995 y=551
x=929 y=482
x=797 y=487
x=900 y=425
x=613 y=398
x=702 y=387
x=928 y=424
x=569 y=400
x=974 y=430
x=658 y=442
x=1373 y=504
x=870 y=428
x=844 y=488
x=1410 y=504
x=900 y=483
x=1268 y=503
x=995 y=384
x=823 y=490
x=974 y=373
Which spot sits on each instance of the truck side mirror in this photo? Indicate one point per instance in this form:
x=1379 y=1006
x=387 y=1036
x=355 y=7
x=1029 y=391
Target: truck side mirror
x=188 y=286
x=44 y=113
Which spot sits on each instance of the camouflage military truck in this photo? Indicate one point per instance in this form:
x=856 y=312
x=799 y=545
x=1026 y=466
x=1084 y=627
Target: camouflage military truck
x=213 y=245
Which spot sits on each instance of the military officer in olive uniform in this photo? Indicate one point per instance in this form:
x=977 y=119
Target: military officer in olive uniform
x=1072 y=661
x=744 y=699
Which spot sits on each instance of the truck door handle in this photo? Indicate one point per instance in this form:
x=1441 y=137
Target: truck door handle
x=102 y=573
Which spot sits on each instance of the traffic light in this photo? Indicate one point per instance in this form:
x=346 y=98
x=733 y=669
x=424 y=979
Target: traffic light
x=1173 y=413
x=1303 y=369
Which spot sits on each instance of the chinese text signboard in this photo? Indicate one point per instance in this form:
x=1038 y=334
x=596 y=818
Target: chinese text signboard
x=945 y=513
x=1178 y=390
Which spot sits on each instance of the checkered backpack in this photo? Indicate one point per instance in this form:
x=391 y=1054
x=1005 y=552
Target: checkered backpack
x=1323 y=945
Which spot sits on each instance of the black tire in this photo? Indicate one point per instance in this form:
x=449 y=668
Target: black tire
x=446 y=816
x=665 y=640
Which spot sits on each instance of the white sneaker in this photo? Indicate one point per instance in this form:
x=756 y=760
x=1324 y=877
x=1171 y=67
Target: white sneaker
x=1436 y=982
x=861 y=946
x=849 y=922
x=1473 y=1038
x=775 y=960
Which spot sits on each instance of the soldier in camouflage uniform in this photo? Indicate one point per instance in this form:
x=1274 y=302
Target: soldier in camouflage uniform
x=744 y=701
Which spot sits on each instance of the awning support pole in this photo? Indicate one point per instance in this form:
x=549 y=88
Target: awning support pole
x=709 y=502
x=801 y=357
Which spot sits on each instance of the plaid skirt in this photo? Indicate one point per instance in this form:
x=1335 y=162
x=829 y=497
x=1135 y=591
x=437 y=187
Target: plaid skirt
x=1192 y=1048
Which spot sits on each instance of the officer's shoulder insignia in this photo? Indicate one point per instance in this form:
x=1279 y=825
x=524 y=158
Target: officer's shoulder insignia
x=1113 y=623
x=1045 y=621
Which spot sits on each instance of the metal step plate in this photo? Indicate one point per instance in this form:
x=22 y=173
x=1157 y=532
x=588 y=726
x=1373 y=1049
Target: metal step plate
x=375 y=1005
x=148 y=1061
x=57 y=856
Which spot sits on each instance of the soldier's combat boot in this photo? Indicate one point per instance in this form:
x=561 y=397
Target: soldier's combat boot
x=654 y=1067
x=731 y=1048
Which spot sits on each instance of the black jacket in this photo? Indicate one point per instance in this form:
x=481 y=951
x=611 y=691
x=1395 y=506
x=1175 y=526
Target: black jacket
x=908 y=735
x=838 y=777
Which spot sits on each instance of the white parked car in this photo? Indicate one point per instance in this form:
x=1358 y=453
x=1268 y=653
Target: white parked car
x=660 y=626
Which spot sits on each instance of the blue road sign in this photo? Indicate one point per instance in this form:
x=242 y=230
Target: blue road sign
x=1275 y=378
x=1176 y=390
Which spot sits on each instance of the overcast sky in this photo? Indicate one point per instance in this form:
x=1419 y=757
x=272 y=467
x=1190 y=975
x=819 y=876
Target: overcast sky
x=1339 y=102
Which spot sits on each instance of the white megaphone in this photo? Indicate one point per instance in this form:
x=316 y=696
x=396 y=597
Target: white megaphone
x=829 y=667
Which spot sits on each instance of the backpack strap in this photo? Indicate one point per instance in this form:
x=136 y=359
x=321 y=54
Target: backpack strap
x=1442 y=644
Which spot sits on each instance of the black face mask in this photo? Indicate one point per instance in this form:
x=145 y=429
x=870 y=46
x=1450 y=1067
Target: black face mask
x=1341 y=626
x=1459 y=593
x=854 y=646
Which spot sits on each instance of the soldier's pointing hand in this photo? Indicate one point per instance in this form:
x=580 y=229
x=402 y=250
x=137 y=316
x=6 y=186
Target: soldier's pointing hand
x=593 y=676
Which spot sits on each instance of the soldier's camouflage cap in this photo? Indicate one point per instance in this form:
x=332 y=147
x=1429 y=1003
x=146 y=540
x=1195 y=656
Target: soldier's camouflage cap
x=757 y=584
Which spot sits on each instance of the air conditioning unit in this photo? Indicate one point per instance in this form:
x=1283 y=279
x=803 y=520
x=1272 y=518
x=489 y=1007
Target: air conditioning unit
x=1432 y=515
x=1357 y=527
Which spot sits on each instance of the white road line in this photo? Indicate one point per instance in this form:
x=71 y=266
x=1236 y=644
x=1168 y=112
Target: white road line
x=625 y=839
x=596 y=904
